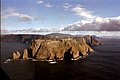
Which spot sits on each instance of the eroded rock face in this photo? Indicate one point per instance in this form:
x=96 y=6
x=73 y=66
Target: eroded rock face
x=16 y=55
x=56 y=49
x=25 y=54
x=59 y=49
x=35 y=46
x=91 y=40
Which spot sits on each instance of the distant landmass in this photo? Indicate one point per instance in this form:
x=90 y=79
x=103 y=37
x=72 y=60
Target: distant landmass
x=30 y=37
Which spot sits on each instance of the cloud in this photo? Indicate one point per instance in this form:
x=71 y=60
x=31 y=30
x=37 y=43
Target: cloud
x=91 y=22
x=66 y=6
x=48 y=5
x=39 y=1
x=12 y=13
x=82 y=12
x=97 y=24
x=25 y=19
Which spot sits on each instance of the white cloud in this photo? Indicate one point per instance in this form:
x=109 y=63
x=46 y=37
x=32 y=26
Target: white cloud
x=99 y=19
x=25 y=19
x=16 y=14
x=96 y=24
x=85 y=21
x=106 y=20
x=12 y=13
x=113 y=18
x=66 y=6
x=39 y=1
x=82 y=12
x=95 y=21
x=48 y=5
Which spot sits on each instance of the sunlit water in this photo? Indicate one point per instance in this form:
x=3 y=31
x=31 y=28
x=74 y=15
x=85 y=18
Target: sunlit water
x=104 y=64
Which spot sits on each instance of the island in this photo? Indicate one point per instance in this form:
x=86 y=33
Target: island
x=54 y=47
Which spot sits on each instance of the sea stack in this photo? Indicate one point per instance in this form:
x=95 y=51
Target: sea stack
x=16 y=55
x=25 y=54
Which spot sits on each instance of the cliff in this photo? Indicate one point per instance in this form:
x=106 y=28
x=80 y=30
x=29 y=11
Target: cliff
x=60 y=48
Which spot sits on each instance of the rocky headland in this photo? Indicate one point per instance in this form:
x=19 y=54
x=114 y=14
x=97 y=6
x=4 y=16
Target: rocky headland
x=53 y=48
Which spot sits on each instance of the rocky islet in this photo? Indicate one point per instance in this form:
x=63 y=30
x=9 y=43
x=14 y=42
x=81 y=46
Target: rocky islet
x=54 y=49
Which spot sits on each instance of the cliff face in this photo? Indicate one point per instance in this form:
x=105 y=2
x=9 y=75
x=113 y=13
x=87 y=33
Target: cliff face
x=16 y=55
x=25 y=54
x=92 y=41
x=60 y=49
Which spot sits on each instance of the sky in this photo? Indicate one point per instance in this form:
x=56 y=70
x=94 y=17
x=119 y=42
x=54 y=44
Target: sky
x=37 y=14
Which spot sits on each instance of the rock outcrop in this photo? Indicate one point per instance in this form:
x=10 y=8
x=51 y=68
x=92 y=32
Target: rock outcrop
x=16 y=55
x=25 y=54
x=59 y=49
x=91 y=40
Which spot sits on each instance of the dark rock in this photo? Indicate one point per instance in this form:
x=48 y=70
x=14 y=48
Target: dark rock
x=91 y=40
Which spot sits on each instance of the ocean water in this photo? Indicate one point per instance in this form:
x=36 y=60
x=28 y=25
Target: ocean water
x=103 y=64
